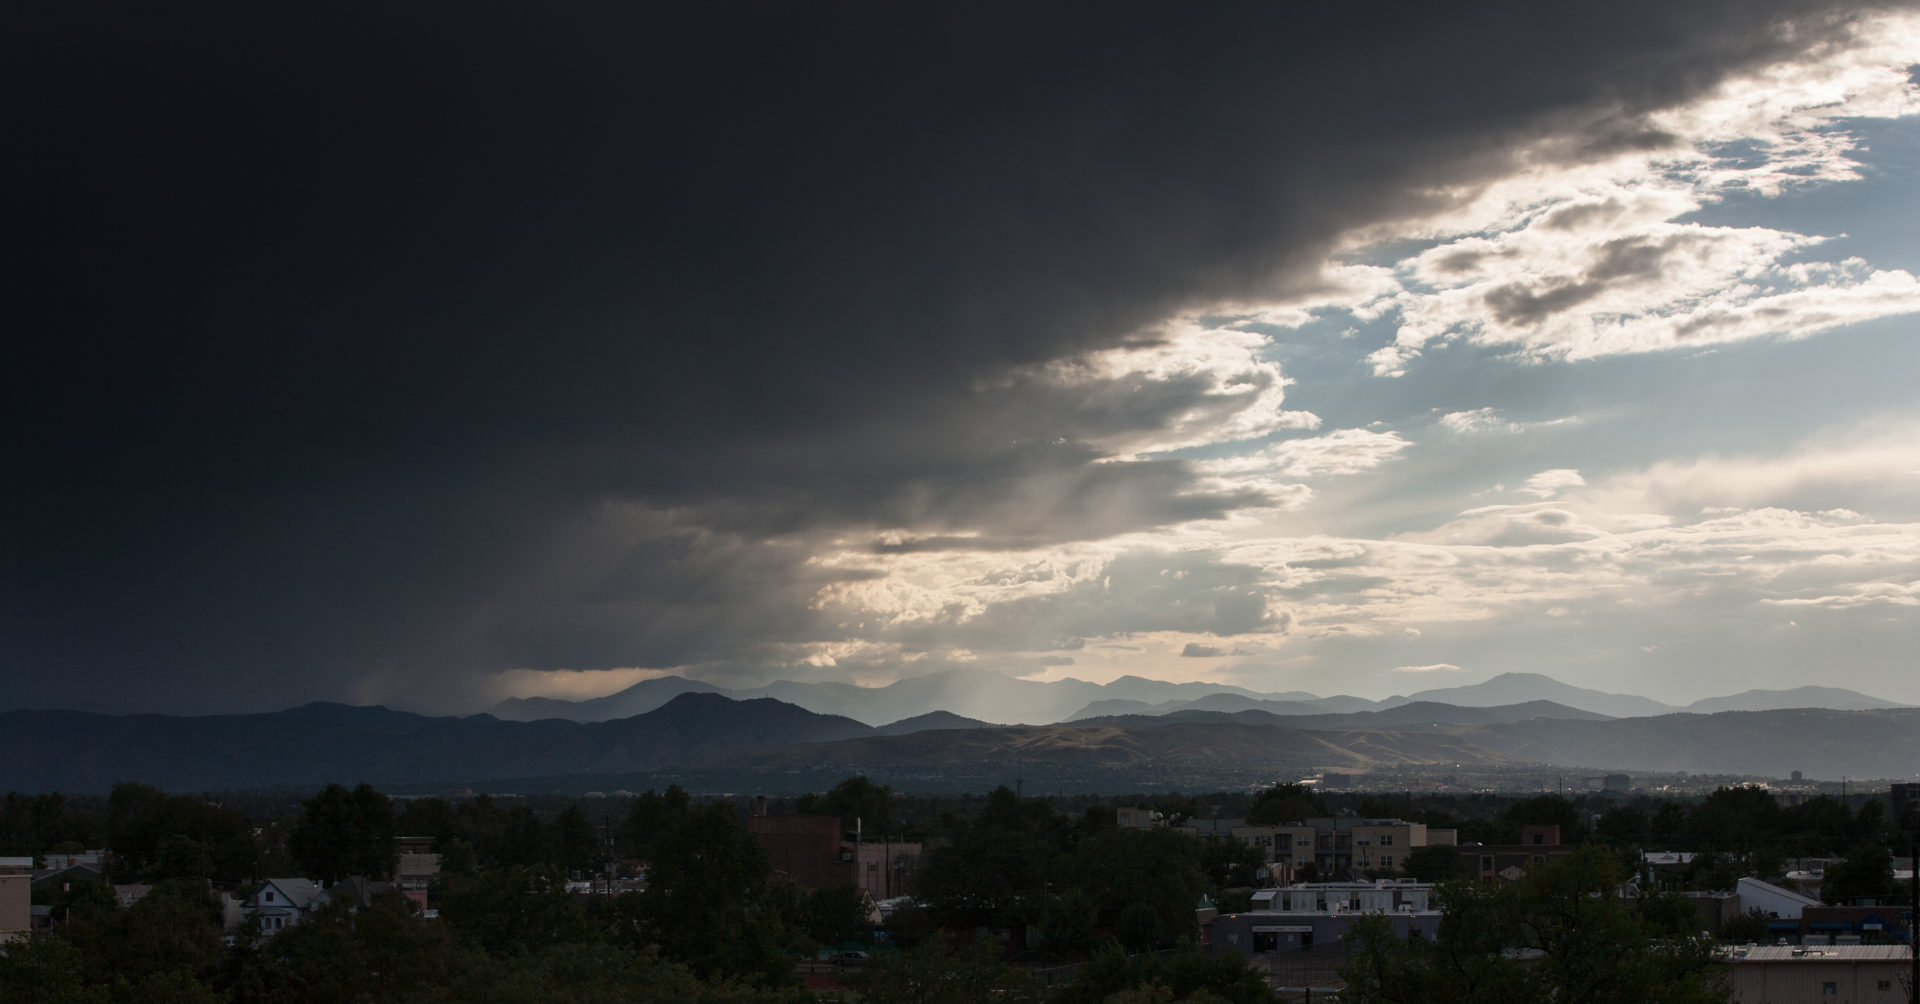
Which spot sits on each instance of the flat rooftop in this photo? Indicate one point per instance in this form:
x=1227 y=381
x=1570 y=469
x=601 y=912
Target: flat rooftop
x=1823 y=953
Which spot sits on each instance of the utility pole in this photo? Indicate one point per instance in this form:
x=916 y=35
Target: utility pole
x=1911 y=823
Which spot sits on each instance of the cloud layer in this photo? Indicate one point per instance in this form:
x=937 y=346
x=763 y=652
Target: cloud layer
x=848 y=343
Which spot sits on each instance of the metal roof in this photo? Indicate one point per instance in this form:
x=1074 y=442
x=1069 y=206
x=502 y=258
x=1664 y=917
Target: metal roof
x=1823 y=953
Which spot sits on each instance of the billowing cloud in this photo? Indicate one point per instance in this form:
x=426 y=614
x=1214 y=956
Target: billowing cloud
x=1585 y=251
x=749 y=343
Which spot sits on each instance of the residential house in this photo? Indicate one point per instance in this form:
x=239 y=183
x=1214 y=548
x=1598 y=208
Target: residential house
x=65 y=876
x=280 y=903
x=415 y=867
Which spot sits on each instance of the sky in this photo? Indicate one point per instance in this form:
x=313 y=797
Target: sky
x=432 y=353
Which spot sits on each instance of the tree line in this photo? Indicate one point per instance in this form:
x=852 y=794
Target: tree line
x=1009 y=887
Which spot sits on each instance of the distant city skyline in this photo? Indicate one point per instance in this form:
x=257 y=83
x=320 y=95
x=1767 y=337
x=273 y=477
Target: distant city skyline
x=436 y=356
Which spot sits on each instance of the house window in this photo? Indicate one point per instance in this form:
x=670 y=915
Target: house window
x=267 y=896
x=1386 y=840
x=1386 y=861
x=1829 y=989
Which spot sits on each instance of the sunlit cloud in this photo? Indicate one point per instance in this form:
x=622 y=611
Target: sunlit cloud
x=1574 y=256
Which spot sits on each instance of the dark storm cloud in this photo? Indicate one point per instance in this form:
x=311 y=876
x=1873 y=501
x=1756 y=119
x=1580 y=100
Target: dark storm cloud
x=334 y=323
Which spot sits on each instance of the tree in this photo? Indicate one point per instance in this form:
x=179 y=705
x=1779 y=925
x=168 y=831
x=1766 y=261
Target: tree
x=652 y=816
x=174 y=928
x=507 y=910
x=1595 y=950
x=1435 y=863
x=1591 y=947
x=1230 y=863
x=1145 y=883
x=838 y=915
x=1867 y=873
x=1380 y=969
x=703 y=904
x=1286 y=803
x=1540 y=810
x=344 y=833
x=1624 y=826
x=577 y=845
x=50 y=971
x=1067 y=923
x=1752 y=927
x=993 y=872
x=1734 y=820
x=938 y=973
x=857 y=798
x=590 y=974
x=383 y=951
x=1184 y=975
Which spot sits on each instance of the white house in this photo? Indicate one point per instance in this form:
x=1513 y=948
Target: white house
x=282 y=902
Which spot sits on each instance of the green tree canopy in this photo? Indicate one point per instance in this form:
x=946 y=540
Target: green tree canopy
x=1286 y=803
x=344 y=833
x=1563 y=933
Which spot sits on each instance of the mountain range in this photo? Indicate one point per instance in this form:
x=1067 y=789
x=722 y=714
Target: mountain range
x=987 y=696
x=770 y=745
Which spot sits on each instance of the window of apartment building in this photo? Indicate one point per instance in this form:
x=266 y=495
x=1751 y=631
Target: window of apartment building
x=1386 y=861
x=1885 y=985
x=1829 y=989
x=1386 y=840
